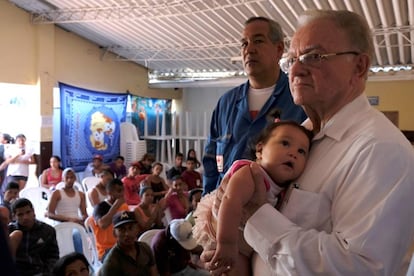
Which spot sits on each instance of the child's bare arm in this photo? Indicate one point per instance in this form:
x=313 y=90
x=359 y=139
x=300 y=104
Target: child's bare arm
x=238 y=192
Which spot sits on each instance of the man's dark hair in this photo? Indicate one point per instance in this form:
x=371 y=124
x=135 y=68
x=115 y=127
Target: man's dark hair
x=20 y=203
x=275 y=31
x=179 y=154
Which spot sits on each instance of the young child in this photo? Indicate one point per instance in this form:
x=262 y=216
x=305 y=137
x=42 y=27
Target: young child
x=10 y=195
x=158 y=184
x=281 y=151
x=190 y=176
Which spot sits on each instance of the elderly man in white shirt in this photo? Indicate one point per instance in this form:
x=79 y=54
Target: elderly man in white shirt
x=352 y=213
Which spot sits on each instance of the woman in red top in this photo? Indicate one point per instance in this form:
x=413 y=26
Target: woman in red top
x=52 y=175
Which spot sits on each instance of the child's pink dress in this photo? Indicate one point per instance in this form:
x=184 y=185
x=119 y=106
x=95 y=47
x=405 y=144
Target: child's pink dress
x=204 y=230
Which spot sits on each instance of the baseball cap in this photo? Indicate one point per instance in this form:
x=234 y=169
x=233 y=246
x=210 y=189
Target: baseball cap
x=181 y=230
x=121 y=218
x=136 y=164
x=98 y=156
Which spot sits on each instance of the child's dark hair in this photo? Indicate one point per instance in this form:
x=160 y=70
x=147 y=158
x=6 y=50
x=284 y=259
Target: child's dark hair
x=20 y=136
x=8 y=138
x=143 y=189
x=119 y=157
x=157 y=164
x=265 y=135
x=193 y=192
x=60 y=266
x=149 y=157
x=107 y=172
x=113 y=183
x=12 y=185
x=20 y=203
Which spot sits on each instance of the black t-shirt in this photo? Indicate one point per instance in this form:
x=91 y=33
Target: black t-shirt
x=175 y=171
x=101 y=210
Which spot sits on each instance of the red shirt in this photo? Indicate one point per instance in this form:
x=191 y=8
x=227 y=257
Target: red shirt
x=190 y=178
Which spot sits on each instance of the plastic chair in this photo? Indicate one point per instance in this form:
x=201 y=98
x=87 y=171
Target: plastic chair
x=147 y=236
x=39 y=197
x=167 y=217
x=77 y=186
x=64 y=235
x=89 y=226
x=89 y=182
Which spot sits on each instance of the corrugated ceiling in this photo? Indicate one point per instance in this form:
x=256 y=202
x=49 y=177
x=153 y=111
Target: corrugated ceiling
x=184 y=39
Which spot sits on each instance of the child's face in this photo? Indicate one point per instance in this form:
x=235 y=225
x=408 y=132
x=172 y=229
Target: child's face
x=119 y=163
x=11 y=194
x=116 y=191
x=178 y=161
x=177 y=185
x=54 y=163
x=190 y=165
x=134 y=171
x=148 y=196
x=20 y=142
x=196 y=200
x=157 y=170
x=284 y=155
x=106 y=178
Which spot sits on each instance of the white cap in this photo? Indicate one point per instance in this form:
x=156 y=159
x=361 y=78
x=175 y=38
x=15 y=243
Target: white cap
x=181 y=230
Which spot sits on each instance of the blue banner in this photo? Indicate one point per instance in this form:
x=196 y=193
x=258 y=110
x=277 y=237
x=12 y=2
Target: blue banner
x=90 y=124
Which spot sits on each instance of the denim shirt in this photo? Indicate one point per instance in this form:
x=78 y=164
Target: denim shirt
x=232 y=129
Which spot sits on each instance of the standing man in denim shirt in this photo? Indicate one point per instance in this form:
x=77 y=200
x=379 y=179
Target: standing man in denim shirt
x=243 y=111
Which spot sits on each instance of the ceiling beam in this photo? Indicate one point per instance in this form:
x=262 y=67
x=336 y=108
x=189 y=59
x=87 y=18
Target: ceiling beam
x=132 y=12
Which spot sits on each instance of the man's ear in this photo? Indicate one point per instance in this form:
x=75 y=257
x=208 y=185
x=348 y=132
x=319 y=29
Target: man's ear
x=362 y=66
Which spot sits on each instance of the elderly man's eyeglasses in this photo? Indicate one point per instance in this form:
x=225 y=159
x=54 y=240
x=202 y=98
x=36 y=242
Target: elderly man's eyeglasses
x=311 y=59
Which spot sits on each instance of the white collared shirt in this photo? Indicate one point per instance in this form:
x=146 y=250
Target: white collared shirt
x=353 y=212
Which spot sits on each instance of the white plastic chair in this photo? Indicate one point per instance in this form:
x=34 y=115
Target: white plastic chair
x=148 y=235
x=167 y=217
x=89 y=182
x=64 y=237
x=77 y=186
x=89 y=222
x=39 y=197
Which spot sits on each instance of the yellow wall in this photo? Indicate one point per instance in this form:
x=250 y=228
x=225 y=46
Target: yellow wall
x=44 y=55
x=395 y=96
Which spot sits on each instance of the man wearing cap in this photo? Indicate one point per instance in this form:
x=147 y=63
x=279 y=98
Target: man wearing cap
x=128 y=256
x=173 y=247
x=132 y=183
x=95 y=167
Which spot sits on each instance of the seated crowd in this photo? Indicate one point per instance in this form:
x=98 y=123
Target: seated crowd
x=125 y=203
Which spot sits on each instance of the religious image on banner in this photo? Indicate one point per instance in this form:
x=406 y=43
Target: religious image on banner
x=148 y=109
x=90 y=124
